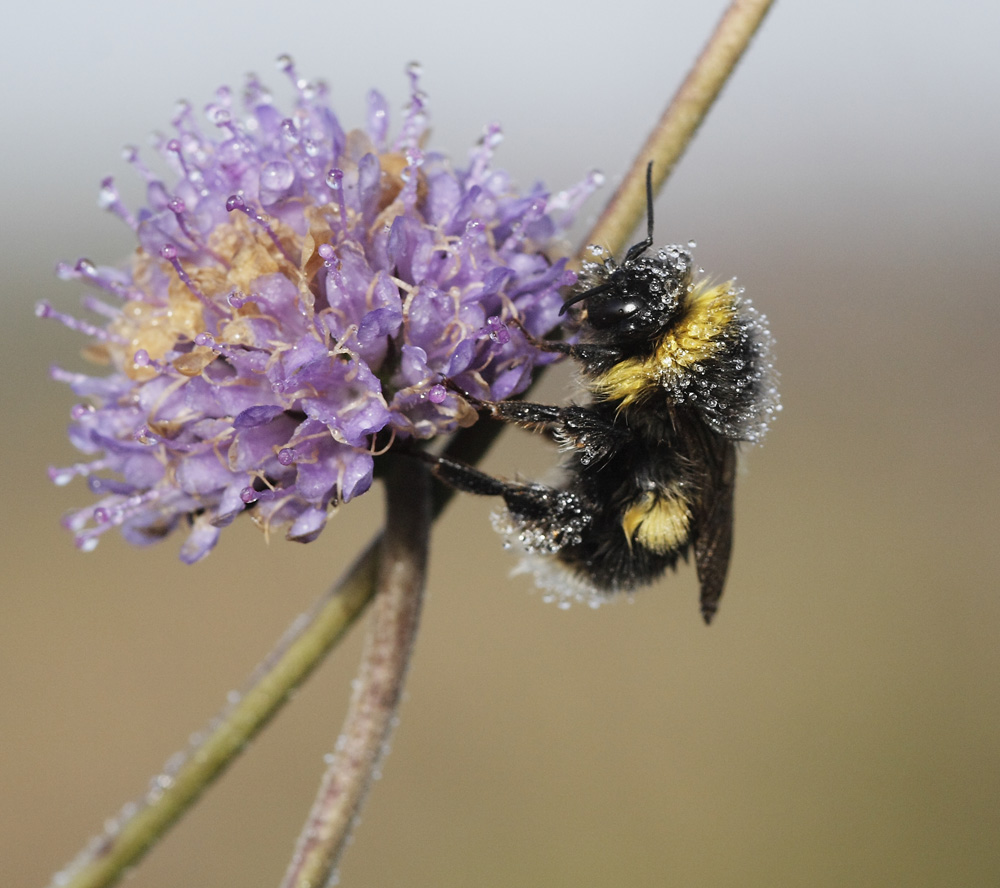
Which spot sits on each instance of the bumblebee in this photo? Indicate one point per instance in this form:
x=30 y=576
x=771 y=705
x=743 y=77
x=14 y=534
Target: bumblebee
x=677 y=373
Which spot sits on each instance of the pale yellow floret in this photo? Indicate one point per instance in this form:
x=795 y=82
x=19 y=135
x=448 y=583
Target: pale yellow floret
x=695 y=337
x=246 y=253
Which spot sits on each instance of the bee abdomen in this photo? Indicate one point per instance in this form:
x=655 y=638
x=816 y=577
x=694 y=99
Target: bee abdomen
x=659 y=522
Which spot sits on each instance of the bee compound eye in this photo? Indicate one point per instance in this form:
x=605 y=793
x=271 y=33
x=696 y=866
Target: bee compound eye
x=612 y=310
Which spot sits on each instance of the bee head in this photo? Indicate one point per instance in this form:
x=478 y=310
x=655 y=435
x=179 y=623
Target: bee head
x=637 y=299
x=634 y=301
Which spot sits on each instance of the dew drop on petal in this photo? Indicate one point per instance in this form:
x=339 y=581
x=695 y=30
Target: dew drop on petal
x=335 y=179
x=277 y=175
x=61 y=477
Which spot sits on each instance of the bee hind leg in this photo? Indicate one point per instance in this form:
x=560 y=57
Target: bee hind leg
x=549 y=518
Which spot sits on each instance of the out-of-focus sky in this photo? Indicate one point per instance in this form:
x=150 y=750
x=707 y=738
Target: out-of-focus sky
x=838 y=725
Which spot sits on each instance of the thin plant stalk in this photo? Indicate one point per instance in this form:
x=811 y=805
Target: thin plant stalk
x=302 y=648
x=379 y=685
x=679 y=122
x=104 y=860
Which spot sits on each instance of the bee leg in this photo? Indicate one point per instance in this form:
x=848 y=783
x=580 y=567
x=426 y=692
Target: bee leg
x=527 y=415
x=584 y=352
x=546 y=509
x=574 y=428
x=548 y=345
x=538 y=417
x=461 y=475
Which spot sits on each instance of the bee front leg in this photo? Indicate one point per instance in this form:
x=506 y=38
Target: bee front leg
x=579 y=351
x=579 y=430
x=538 y=417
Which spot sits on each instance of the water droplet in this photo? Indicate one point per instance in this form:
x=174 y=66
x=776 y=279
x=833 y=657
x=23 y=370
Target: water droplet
x=492 y=136
x=108 y=195
x=161 y=782
x=61 y=477
x=277 y=175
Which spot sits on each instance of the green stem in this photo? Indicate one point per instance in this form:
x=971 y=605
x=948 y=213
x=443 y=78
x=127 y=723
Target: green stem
x=297 y=654
x=105 y=859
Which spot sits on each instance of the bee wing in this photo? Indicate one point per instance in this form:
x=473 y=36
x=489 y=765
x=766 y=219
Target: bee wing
x=713 y=539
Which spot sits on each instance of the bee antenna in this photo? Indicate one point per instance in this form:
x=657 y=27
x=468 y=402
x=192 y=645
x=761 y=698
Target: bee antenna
x=638 y=249
x=634 y=251
x=586 y=294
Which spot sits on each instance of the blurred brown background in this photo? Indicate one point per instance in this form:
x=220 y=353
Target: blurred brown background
x=838 y=725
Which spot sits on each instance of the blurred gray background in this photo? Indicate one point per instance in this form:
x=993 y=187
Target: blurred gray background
x=838 y=725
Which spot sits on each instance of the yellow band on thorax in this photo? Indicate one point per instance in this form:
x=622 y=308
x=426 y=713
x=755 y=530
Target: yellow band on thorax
x=694 y=337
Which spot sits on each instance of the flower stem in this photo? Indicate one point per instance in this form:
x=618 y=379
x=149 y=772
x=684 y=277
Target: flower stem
x=379 y=686
x=295 y=656
x=679 y=122
x=303 y=647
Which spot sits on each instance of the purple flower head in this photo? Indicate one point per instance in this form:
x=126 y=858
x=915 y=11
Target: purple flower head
x=299 y=294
